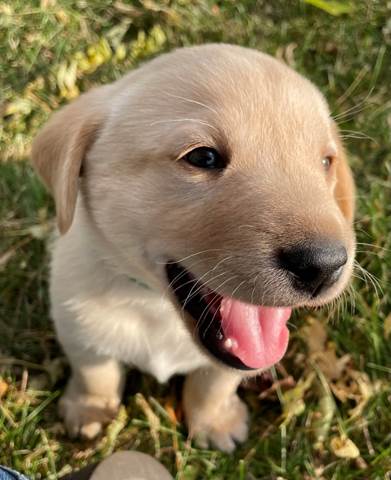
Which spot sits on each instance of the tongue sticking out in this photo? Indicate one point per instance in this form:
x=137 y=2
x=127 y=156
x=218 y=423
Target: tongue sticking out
x=257 y=335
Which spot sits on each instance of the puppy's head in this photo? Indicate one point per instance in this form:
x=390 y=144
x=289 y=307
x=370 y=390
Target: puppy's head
x=220 y=171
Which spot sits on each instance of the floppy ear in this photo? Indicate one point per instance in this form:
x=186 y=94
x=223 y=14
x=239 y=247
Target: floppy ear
x=60 y=148
x=344 y=189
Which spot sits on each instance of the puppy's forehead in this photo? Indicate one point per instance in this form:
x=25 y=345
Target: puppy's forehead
x=227 y=95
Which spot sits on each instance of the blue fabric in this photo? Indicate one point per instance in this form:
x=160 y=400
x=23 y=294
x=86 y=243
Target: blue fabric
x=7 y=474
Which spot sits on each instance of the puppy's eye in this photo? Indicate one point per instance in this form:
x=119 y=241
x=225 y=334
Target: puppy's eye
x=327 y=162
x=204 y=157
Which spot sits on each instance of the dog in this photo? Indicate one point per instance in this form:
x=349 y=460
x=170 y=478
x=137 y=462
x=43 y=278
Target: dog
x=199 y=199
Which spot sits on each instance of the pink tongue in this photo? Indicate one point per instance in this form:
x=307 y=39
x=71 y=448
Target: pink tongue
x=258 y=336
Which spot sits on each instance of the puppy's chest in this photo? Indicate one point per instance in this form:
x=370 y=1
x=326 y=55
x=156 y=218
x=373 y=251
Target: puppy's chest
x=146 y=331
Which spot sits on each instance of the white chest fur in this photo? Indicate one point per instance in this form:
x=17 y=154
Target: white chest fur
x=114 y=316
x=142 y=328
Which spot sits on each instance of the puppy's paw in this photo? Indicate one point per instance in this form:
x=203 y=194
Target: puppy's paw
x=85 y=415
x=224 y=428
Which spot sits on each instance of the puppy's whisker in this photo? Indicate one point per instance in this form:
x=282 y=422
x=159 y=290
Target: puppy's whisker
x=355 y=83
x=215 y=313
x=236 y=289
x=374 y=246
x=354 y=110
x=178 y=277
x=202 y=284
x=195 y=102
x=254 y=287
x=192 y=281
x=371 y=278
x=197 y=282
x=213 y=302
x=180 y=260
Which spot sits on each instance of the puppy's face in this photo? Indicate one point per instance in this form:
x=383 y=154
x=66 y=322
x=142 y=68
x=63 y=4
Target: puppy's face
x=222 y=169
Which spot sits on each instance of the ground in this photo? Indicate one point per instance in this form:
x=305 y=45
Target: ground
x=328 y=412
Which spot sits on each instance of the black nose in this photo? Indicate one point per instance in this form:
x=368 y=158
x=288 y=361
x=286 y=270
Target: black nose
x=315 y=265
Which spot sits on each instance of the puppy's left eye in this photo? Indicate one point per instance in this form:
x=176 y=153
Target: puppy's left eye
x=327 y=162
x=206 y=158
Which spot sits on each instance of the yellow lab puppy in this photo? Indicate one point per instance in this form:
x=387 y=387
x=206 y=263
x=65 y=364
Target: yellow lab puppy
x=200 y=199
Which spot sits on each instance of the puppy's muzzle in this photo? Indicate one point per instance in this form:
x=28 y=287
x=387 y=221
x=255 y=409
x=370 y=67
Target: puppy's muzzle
x=314 y=266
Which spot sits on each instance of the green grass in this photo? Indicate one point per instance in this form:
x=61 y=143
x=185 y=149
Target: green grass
x=49 y=51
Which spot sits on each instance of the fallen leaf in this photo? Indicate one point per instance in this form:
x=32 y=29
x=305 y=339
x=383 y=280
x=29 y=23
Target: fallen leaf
x=21 y=106
x=322 y=353
x=329 y=363
x=3 y=388
x=62 y=16
x=323 y=421
x=332 y=7
x=387 y=326
x=314 y=334
x=153 y=419
x=113 y=430
x=284 y=383
x=40 y=231
x=357 y=387
x=343 y=447
x=293 y=400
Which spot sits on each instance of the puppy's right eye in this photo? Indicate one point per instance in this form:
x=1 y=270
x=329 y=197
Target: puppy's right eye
x=206 y=158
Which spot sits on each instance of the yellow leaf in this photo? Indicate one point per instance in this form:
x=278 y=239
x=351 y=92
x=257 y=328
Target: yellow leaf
x=6 y=9
x=46 y=4
x=343 y=447
x=62 y=16
x=70 y=76
x=21 y=105
x=120 y=52
x=104 y=49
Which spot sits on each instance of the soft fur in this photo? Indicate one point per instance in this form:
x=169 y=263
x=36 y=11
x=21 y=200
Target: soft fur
x=126 y=205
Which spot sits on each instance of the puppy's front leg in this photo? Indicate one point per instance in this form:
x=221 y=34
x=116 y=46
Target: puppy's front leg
x=93 y=393
x=214 y=412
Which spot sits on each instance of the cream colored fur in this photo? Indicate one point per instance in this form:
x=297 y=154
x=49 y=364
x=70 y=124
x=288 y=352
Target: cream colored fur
x=136 y=205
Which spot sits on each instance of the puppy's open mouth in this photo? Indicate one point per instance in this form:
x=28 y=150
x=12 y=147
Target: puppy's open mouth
x=241 y=335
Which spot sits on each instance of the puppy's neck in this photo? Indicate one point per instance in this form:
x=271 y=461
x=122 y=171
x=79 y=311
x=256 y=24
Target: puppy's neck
x=131 y=264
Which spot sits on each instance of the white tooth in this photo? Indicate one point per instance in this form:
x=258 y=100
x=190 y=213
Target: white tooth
x=228 y=343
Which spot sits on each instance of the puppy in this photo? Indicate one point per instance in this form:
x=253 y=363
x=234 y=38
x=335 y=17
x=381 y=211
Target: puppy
x=199 y=199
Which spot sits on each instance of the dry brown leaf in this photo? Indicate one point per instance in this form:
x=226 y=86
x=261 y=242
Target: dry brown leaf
x=314 y=334
x=329 y=363
x=365 y=390
x=343 y=447
x=321 y=352
x=355 y=386
x=168 y=407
